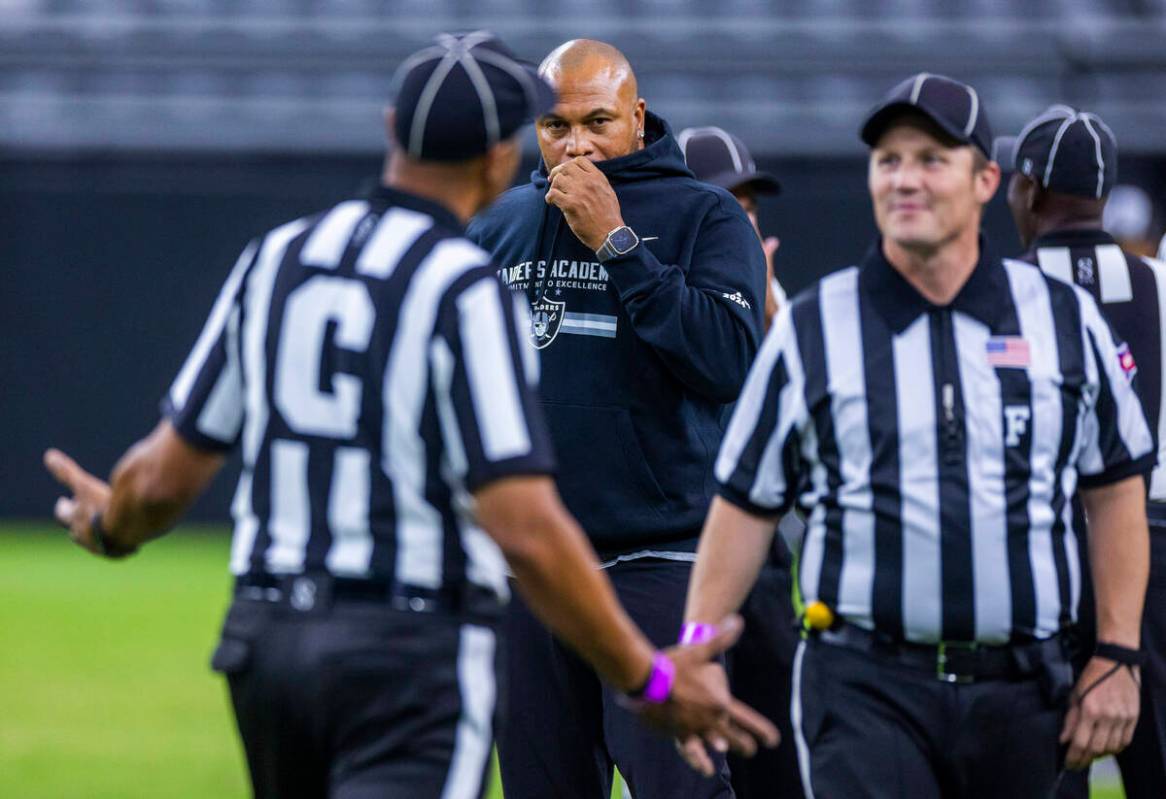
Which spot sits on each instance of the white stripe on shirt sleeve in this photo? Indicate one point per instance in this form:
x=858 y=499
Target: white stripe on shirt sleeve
x=221 y=416
x=1131 y=421
x=489 y=365
x=747 y=412
x=212 y=331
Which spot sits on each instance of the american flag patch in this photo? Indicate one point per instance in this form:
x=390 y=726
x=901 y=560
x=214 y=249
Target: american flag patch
x=1125 y=359
x=1008 y=351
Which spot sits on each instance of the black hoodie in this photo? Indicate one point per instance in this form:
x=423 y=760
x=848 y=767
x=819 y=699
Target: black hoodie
x=640 y=353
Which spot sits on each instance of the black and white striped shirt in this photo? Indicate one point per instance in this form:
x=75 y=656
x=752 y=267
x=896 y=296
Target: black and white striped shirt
x=1132 y=293
x=934 y=449
x=374 y=372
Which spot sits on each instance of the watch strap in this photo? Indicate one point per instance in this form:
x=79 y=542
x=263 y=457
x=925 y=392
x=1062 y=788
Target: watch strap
x=608 y=250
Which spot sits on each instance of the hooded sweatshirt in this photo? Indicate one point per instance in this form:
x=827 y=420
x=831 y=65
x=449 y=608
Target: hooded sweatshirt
x=640 y=353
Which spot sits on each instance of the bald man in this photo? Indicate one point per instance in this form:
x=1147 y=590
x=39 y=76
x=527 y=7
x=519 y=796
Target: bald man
x=646 y=290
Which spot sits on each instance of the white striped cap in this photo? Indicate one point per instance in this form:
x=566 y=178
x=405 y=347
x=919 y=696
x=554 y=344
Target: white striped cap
x=1065 y=151
x=718 y=157
x=463 y=95
x=955 y=107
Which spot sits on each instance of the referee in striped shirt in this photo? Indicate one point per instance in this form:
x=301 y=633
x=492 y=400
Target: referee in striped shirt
x=380 y=383
x=1064 y=164
x=932 y=411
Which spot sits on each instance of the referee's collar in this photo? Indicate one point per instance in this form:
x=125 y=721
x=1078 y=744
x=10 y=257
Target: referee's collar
x=1073 y=237
x=403 y=199
x=982 y=296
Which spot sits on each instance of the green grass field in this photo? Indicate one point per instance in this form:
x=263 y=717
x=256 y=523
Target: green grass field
x=105 y=691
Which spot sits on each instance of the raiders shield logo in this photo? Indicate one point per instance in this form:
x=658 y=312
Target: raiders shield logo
x=546 y=317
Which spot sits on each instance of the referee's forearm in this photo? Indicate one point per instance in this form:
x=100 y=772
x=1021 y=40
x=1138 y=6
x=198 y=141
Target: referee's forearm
x=733 y=546
x=1119 y=554
x=137 y=512
x=153 y=484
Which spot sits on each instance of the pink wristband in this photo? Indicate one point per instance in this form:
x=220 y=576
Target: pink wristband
x=659 y=685
x=696 y=632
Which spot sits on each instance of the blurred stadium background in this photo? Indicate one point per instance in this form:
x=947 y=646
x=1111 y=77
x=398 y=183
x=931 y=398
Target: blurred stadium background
x=143 y=142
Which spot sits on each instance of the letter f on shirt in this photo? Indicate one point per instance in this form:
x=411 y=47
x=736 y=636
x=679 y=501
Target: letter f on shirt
x=1015 y=423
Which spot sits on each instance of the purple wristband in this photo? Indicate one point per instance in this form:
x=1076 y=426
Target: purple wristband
x=696 y=632
x=659 y=686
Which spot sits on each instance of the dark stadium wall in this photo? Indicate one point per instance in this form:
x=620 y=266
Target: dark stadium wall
x=110 y=266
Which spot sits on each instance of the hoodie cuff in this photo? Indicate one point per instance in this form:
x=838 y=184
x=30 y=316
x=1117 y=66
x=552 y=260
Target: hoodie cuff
x=636 y=273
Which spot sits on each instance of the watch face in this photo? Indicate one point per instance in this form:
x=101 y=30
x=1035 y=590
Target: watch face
x=623 y=239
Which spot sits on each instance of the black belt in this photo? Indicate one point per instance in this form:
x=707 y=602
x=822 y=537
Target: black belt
x=952 y=662
x=315 y=591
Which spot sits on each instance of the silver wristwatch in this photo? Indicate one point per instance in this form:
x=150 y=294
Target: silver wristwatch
x=620 y=241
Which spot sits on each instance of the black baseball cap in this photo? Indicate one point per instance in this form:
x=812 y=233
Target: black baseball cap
x=953 y=106
x=1064 y=150
x=718 y=157
x=463 y=95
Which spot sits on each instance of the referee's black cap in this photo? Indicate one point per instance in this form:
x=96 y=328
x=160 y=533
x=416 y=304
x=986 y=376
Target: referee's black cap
x=952 y=105
x=460 y=97
x=718 y=157
x=1065 y=151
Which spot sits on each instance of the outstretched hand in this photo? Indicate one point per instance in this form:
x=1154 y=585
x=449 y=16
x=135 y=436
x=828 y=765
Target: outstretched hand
x=700 y=710
x=90 y=495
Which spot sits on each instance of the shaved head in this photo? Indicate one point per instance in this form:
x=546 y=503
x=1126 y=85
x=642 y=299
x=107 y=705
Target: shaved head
x=600 y=114
x=589 y=55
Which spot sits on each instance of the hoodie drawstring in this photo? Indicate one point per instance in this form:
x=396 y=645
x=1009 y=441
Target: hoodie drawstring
x=540 y=283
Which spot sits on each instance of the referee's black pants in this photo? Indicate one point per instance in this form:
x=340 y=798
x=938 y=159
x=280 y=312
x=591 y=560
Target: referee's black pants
x=355 y=700
x=1143 y=762
x=869 y=727
x=760 y=666
x=562 y=728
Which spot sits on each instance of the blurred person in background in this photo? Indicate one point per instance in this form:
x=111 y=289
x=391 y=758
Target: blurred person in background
x=647 y=291
x=382 y=388
x=718 y=157
x=761 y=663
x=1129 y=218
x=930 y=412
x=1064 y=166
